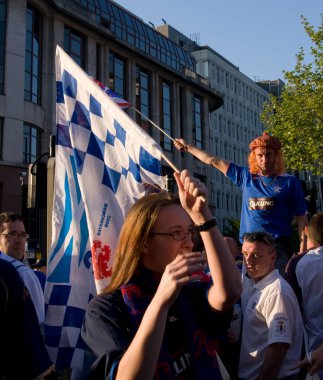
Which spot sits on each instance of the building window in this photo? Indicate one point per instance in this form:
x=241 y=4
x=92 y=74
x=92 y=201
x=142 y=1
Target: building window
x=74 y=45
x=197 y=121
x=1 y=137
x=117 y=75
x=142 y=97
x=31 y=146
x=33 y=55
x=98 y=62
x=3 y=17
x=165 y=97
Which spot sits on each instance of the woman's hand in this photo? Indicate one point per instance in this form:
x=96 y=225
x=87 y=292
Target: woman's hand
x=193 y=195
x=177 y=274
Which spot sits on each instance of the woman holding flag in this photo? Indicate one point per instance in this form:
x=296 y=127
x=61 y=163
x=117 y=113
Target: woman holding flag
x=161 y=317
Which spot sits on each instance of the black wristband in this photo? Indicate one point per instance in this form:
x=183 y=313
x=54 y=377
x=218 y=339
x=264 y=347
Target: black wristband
x=207 y=225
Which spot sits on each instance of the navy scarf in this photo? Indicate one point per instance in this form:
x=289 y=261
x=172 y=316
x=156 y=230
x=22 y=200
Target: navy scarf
x=201 y=328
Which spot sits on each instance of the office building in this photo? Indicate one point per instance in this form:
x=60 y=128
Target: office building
x=155 y=74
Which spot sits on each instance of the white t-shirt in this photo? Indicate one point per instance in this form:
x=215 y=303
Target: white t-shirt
x=309 y=273
x=32 y=284
x=270 y=315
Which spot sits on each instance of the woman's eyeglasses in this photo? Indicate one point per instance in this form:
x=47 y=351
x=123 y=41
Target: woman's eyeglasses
x=178 y=235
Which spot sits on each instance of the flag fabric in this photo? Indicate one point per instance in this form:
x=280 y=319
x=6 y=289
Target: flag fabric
x=104 y=162
x=115 y=97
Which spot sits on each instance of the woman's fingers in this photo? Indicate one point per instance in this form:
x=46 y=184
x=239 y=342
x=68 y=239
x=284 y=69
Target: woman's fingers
x=178 y=273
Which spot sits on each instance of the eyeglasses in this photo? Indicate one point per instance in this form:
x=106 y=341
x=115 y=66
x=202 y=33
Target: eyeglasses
x=178 y=235
x=15 y=235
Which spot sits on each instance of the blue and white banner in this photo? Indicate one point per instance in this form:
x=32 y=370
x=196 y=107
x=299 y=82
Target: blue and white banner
x=104 y=163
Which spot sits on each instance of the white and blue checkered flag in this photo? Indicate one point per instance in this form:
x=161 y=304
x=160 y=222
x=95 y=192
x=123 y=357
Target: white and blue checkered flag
x=104 y=162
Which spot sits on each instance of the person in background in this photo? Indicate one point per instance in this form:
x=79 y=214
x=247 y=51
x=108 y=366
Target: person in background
x=40 y=270
x=271 y=197
x=313 y=361
x=272 y=332
x=232 y=245
x=235 y=251
x=230 y=348
x=40 y=265
x=307 y=284
x=13 y=239
x=23 y=354
x=159 y=318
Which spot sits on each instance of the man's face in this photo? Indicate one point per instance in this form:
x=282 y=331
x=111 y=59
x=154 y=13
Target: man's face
x=259 y=259
x=13 y=246
x=265 y=159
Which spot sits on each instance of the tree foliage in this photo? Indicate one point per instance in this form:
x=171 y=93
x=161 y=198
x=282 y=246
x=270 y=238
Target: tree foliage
x=297 y=116
x=231 y=227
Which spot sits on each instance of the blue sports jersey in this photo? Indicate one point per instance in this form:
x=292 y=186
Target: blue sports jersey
x=268 y=204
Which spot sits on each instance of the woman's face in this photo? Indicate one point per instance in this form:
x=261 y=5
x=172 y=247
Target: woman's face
x=160 y=250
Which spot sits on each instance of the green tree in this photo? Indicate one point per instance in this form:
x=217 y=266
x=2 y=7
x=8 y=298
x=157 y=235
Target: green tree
x=231 y=227
x=297 y=117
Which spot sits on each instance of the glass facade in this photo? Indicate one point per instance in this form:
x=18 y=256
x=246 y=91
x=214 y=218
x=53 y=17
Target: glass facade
x=117 y=74
x=197 y=121
x=166 y=114
x=31 y=145
x=33 y=55
x=74 y=45
x=135 y=32
x=142 y=97
x=3 y=17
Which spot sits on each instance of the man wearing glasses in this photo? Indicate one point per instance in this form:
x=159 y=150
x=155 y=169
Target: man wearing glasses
x=272 y=324
x=13 y=239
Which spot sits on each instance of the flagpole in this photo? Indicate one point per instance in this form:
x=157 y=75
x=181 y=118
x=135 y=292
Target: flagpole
x=177 y=171
x=155 y=125
x=170 y=163
x=110 y=92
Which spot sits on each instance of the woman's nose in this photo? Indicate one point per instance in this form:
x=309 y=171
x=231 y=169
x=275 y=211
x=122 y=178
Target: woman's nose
x=188 y=241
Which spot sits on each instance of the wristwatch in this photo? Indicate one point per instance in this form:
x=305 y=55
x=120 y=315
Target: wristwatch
x=207 y=225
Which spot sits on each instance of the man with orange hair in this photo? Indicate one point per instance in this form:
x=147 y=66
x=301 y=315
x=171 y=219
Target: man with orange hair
x=271 y=197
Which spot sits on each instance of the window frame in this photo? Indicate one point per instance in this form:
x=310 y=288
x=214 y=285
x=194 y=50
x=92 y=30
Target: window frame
x=33 y=55
x=72 y=35
x=28 y=138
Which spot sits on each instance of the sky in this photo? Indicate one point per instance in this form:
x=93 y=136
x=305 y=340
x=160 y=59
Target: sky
x=261 y=37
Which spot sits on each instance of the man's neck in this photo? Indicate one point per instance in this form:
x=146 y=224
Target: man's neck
x=268 y=174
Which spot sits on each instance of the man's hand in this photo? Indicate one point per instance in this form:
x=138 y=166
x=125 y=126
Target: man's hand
x=313 y=360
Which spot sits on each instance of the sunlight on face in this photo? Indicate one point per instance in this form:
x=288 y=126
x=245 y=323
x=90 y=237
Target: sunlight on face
x=13 y=246
x=259 y=259
x=160 y=250
x=265 y=159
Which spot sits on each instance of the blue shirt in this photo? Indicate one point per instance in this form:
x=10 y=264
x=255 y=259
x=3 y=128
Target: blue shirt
x=268 y=203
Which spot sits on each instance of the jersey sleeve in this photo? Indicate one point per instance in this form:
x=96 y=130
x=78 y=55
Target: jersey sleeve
x=237 y=174
x=279 y=315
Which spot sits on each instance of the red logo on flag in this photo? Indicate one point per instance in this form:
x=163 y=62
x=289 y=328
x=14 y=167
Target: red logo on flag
x=100 y=260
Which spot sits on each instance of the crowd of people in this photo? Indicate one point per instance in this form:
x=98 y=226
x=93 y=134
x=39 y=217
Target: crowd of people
x=172 y=311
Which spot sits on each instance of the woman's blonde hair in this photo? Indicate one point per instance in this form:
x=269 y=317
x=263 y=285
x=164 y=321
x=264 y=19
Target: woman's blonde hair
x=279 y=164
x=133 y=236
